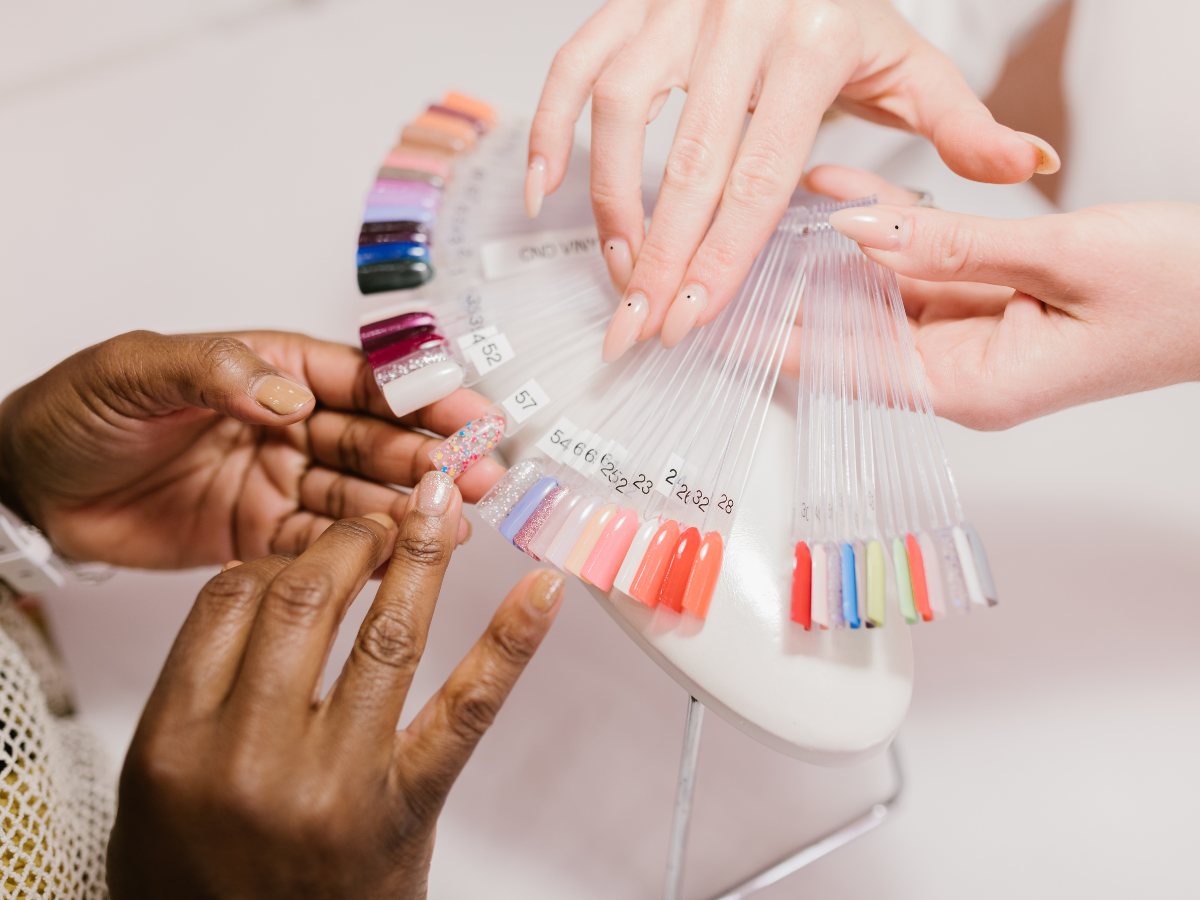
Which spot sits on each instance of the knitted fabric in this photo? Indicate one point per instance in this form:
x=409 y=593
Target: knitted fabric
x=57 y=792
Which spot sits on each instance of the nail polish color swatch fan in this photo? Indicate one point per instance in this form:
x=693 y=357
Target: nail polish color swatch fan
x=653 y=487
x=648 y=478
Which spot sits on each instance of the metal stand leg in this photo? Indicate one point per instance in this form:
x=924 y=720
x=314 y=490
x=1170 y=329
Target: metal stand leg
x=683 y=798
x=868 y=821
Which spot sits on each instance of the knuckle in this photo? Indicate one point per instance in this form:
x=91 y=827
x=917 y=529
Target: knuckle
x=354 y=531
x=951 y=249
x=756 y=178
x=351 y=442
x=691 y=161
x=473 y=710
x=512 y=643
x=388 y=639
x=233 y=591
x=570 y=61
x=612 y=95
x=821 y=23
x=422 y=551
x=299 y=599
x=219 y=351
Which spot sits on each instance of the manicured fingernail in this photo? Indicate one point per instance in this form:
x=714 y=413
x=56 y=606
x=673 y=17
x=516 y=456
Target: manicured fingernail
x=535 y=186
x=545 y=590
x=433 y=493
x=683 y=314
x=382 y=518
x=1048 y=161
x=232 y=564
x=281 y=396
x=880 y=227
x=625 y=326
x=468 y=445
x=620 y=261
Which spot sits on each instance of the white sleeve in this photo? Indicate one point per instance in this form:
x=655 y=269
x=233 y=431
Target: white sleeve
x=976 y=34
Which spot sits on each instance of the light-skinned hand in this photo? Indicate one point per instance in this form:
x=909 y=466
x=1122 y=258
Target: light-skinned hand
x=242 y=782
x=1018 y=318
x=171 y=451
x=726 y=182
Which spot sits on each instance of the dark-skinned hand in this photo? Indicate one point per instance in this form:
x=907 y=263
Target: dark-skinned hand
x=159 y=451
x=241 y=782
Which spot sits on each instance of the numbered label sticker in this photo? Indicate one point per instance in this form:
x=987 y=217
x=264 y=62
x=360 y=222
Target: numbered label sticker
x=489 y=354
x=672 y=476
x=476 y=337
x=577 y=455
x=526 y=400
x=555 y=441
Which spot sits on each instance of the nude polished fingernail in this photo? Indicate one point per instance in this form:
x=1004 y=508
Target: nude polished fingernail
x=535 y=186
x=1048 y=161
x=545 y=590
x=281 y=396
x=880 y=227
x=683 y=314
x=433 y=494
x=619 y=260
x=625 y=326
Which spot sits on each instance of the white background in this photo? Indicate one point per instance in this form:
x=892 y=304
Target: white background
x=200 y=165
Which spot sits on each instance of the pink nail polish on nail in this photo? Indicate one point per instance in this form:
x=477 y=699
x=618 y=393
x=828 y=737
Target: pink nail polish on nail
x=535 y=186
x=684 y=312
x=468 y=445
x=878 y=227
x=625 y=326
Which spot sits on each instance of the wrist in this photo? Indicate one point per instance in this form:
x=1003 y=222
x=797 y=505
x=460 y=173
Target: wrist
x=10 y=495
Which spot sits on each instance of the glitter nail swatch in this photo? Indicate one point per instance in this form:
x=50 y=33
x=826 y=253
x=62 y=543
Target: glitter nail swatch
x=500 y=500
x=468 y=445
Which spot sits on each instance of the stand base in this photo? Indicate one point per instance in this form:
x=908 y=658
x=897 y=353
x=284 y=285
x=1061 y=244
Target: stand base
x=868 y=821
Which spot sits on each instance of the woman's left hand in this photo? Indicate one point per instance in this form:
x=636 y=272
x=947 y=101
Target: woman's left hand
x=159 y=451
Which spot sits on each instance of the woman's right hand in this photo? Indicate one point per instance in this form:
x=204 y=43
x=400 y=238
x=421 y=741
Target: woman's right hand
x=1017 y=318
x=243 y=782
x=726 y=182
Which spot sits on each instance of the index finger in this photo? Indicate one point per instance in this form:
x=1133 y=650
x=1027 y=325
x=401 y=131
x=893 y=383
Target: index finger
x=298 y=617
x=434 y=748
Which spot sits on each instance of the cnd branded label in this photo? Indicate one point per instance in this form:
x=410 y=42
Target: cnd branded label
x=528 y=252
x=526 y=400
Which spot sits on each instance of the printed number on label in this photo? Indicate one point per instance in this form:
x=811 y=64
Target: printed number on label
x=525 y=401
x=488 y=355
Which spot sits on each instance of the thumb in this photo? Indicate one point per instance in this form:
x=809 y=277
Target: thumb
x=144 y=374
x=933 y=245
x=973 y=144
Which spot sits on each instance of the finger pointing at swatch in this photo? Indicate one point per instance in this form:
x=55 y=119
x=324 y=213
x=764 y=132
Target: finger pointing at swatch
x=724 y=191
x=1018 y=318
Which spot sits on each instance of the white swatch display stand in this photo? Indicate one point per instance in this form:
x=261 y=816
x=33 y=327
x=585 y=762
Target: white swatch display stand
x=826 y=697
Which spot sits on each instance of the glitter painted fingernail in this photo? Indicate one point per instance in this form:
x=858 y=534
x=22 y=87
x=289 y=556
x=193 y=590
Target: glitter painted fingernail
x=500 y=500
x=468 y=445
